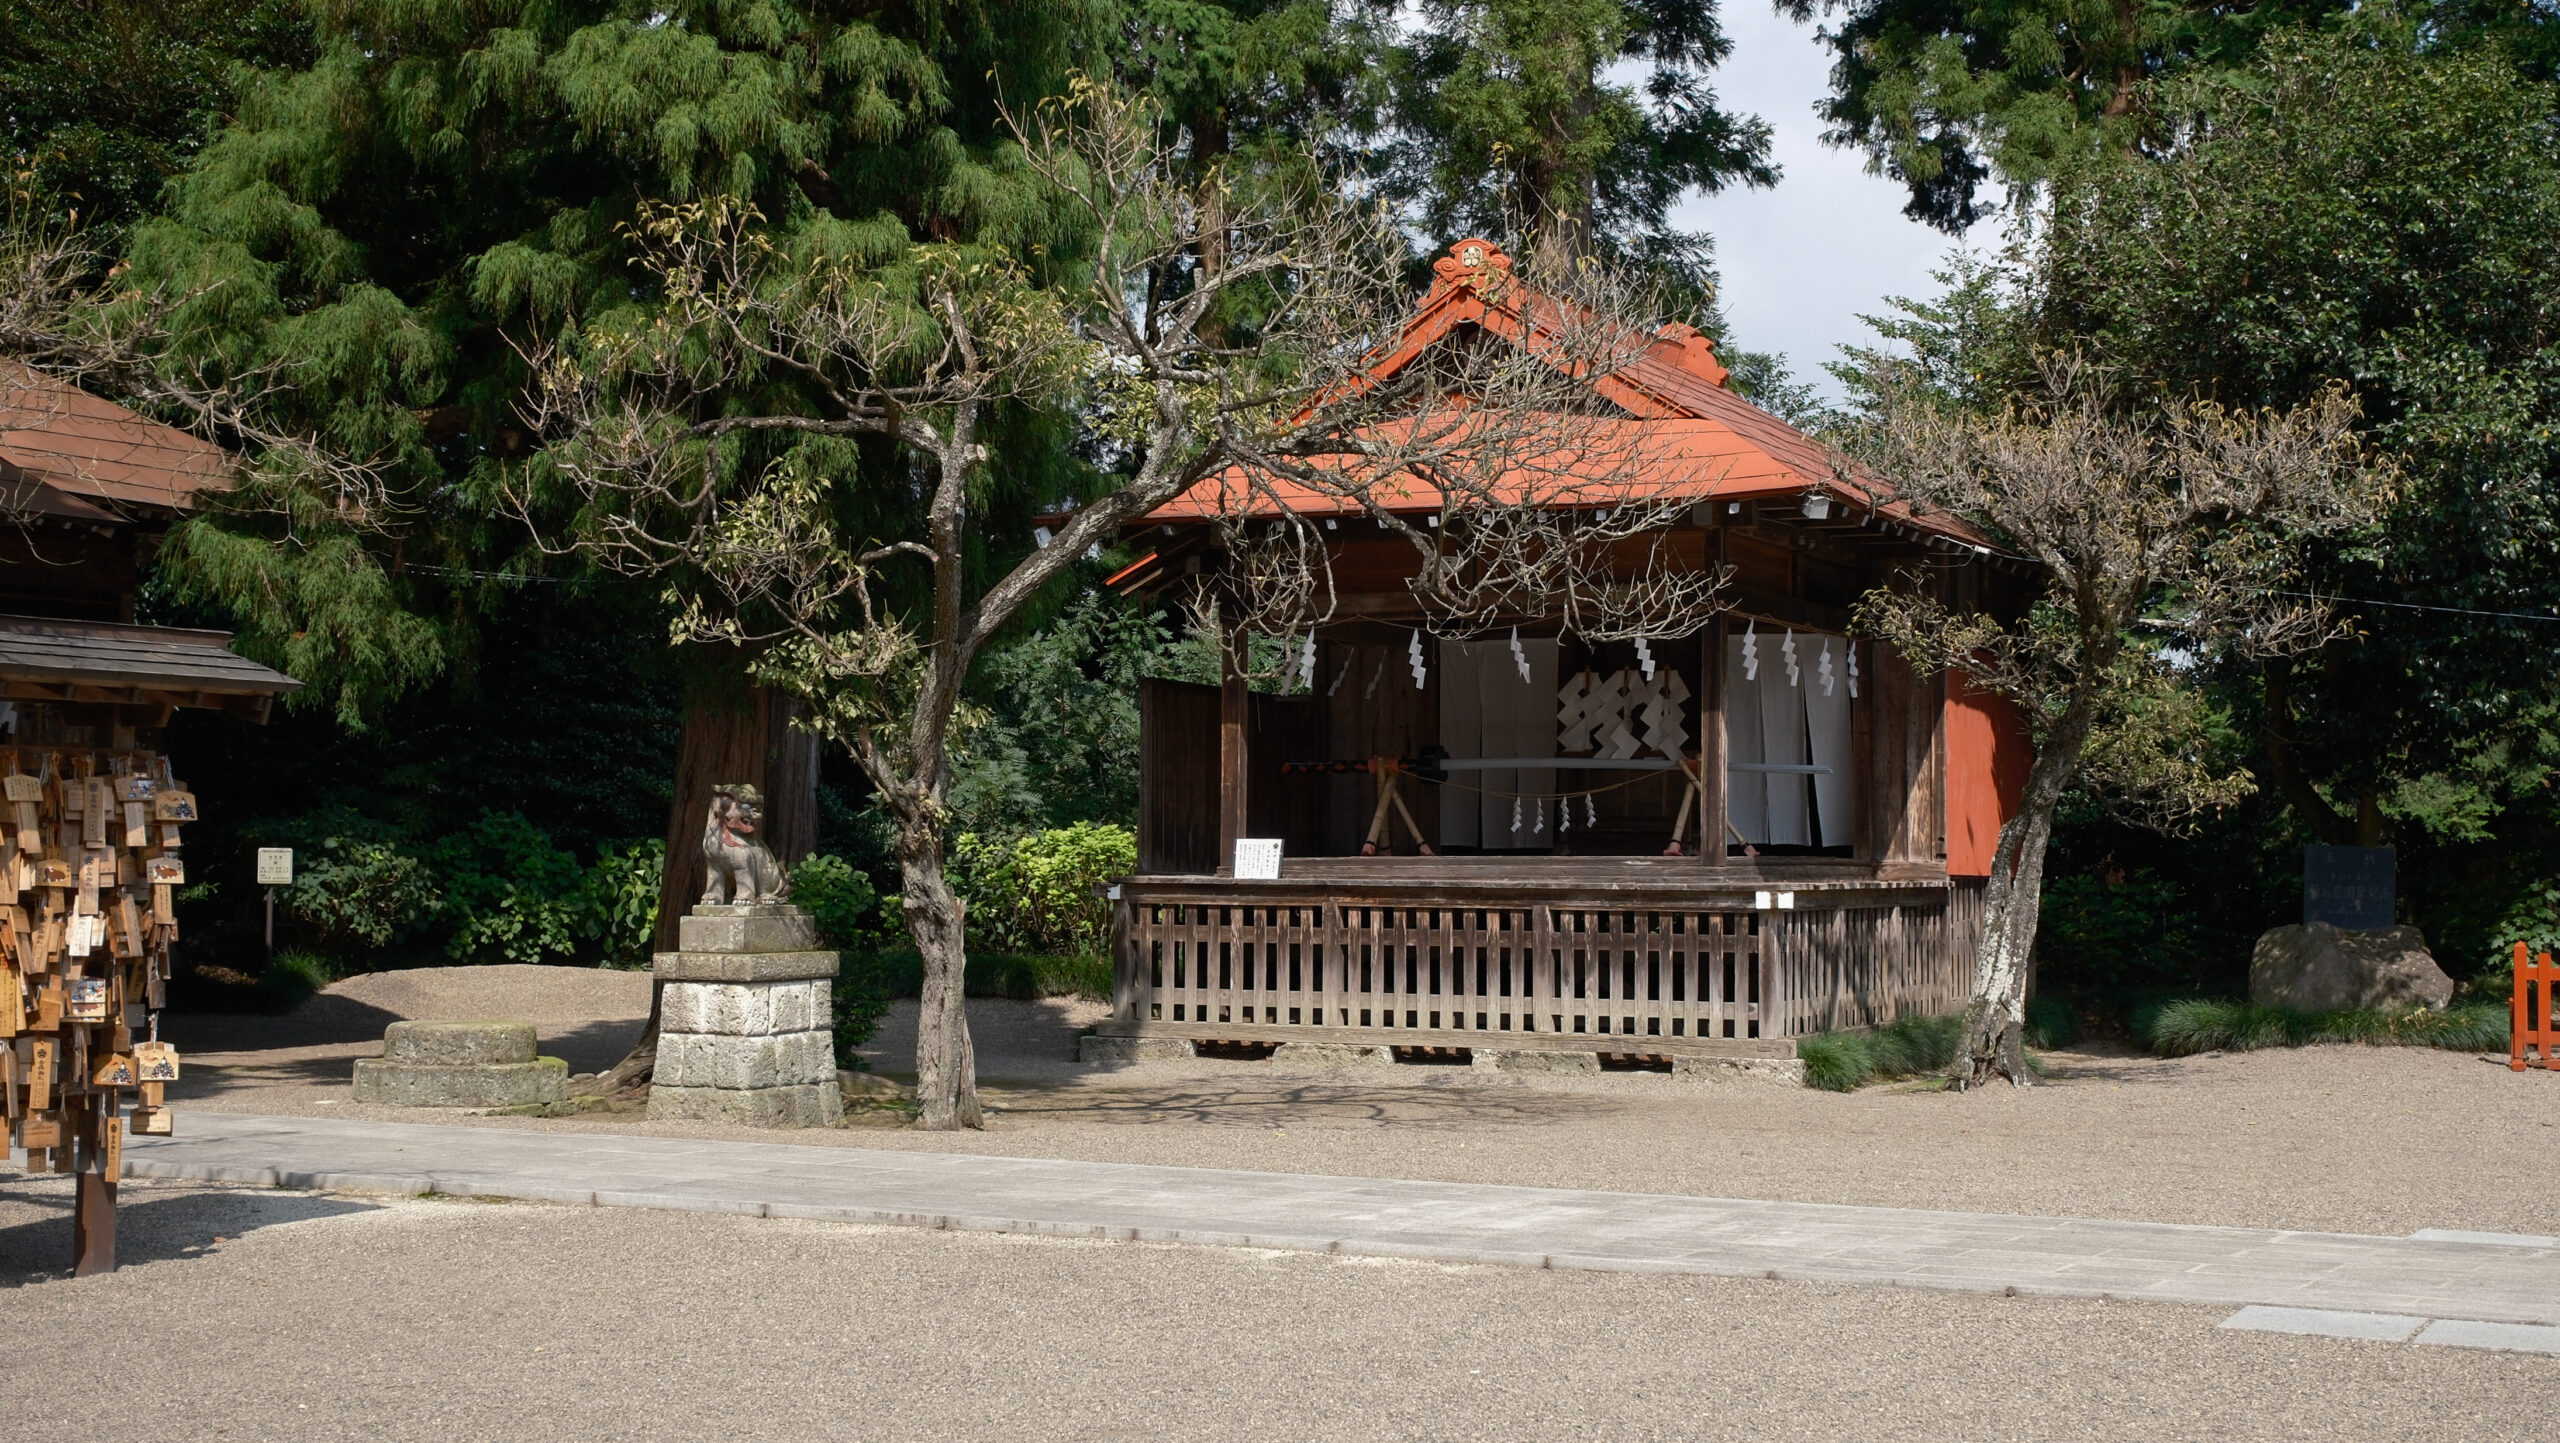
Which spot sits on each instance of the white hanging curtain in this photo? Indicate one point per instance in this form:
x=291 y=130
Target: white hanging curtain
x=1746 y=793
x=1790 y=716
x=1519 y=721
x=1826 y=714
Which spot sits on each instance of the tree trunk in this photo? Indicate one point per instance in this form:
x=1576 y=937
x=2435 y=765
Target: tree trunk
x=1993 y=1040
x=946 y=1068
x=733 y=732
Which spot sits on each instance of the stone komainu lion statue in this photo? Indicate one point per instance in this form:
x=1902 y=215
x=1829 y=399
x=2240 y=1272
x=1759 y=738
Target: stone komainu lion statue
x=738 y=866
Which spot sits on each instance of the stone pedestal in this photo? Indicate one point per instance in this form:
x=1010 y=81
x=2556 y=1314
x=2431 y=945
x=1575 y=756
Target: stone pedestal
x=459 y=1064
x=746 y=1032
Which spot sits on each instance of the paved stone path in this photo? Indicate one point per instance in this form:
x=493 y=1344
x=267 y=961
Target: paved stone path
x=2478 y=1281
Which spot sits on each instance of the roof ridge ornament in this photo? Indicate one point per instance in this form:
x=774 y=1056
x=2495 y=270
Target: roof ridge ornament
x=1477 y=264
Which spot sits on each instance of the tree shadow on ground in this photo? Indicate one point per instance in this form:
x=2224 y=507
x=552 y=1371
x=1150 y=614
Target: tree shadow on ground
x=35 y=1242
x=321 y=1021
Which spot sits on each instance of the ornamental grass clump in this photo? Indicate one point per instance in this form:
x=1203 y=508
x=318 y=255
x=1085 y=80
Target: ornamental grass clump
x=2205 y=1024
x=1906 y=1047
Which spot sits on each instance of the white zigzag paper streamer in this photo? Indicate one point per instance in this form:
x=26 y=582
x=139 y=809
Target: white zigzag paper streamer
x=1853 y=670
x=1307 y=663
x=1750 y=653
x=1413 y=655
x=1830 y=683
x=1795 y=673
x=1519 y=657
x=1340 y=677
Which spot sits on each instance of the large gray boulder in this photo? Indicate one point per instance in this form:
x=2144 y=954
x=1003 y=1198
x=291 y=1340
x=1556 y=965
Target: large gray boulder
x=2314 y=967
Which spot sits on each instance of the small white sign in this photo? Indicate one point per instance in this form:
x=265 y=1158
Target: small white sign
x=275 y=866
x=1257 y=859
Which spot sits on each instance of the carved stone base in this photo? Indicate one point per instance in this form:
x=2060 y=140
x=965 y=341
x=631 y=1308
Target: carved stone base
x=747 y=1030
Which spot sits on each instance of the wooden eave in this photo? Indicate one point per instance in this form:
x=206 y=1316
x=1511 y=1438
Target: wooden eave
x=103 y=663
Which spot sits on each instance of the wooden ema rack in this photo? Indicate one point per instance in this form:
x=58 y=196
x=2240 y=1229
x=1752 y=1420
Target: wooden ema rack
x=2535 y=1029
x=89 y=866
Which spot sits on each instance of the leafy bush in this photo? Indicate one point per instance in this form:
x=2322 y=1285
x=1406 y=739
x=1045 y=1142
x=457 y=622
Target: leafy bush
x=1906 y=1047
x=353 y=892
x=509 y=891
x=2203 y=1024
x=1042 y=893
x=618 y=902
x=838 y=898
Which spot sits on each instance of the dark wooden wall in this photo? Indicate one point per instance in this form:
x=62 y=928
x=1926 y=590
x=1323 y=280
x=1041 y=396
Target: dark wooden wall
x=1177 y=777
x=1394 y=721
x=1292 y=808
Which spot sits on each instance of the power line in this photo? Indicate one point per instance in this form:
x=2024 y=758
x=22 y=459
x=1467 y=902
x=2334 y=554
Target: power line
x=2414 y=606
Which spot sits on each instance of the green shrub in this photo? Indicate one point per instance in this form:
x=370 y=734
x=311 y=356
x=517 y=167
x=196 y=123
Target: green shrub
x=839 y=899
x=1043 y=893
x=617 y=903
x=290 y=979
x=2206 y=1024
x=508 y=891
x=358 y=893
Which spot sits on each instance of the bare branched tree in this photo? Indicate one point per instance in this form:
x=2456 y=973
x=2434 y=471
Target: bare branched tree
x=2167 y=531
x=1521 y=493
x=1215 y=334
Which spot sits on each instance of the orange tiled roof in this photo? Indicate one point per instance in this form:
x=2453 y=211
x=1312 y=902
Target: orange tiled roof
x=1702 y=440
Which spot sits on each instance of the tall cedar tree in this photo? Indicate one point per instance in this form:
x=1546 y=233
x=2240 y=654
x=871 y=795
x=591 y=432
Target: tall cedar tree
x=1948 y=97
x=2363 y=208
x=1510 y=116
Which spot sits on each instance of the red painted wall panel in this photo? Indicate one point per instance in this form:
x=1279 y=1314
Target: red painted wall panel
x=1987 y=759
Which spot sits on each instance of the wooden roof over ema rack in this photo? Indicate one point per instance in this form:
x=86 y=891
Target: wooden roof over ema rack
x=48 y=660
x=87 y=489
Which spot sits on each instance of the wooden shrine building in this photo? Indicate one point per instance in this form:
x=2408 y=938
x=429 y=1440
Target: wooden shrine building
x=1835 y=810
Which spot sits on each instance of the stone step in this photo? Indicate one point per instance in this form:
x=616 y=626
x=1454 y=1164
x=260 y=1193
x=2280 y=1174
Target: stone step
x=488 y=1084
x=458 y=1044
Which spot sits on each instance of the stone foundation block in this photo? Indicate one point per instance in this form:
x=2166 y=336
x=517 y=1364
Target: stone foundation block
x=486 y=1084
x=748 y=1009
x=747 y=929
x=458 y=1044
x=1332 y=1054
x=1786 y=1071
x=742 y=966
x=791 y=1059
x=1135 y=1049
x=805 y=1105
x=1521 y=1059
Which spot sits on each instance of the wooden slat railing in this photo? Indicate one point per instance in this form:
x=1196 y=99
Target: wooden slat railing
x=1333 y=964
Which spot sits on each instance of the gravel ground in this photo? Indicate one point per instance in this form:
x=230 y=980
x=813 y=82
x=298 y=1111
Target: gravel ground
x=2353 y=1139
x=280 y=1315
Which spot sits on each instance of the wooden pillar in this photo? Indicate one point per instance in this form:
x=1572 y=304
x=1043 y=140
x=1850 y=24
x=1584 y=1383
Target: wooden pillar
x=93 y=1217
x=1235 y=711
x=1712 y=755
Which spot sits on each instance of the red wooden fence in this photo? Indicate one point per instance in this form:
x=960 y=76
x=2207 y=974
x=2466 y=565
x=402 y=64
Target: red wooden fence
x=2534 y=1029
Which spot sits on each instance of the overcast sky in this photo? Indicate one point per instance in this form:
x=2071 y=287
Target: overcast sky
x=1802 y=261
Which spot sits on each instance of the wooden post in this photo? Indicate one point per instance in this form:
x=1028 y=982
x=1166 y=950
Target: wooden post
x=93 y=1215
x=1711 y=748
x=1235 y=711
